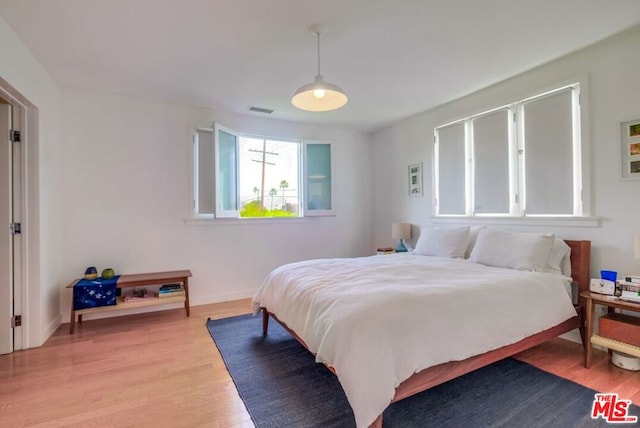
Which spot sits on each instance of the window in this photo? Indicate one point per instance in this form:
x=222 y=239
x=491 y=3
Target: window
x=241 y=176
x=523 y=159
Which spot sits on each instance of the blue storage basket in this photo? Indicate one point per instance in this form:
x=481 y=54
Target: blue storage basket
x=93 y=293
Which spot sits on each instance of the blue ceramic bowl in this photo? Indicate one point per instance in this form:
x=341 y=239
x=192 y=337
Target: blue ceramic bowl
x=91 y=273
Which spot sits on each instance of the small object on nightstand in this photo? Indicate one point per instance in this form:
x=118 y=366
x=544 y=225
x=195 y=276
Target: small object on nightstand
x=385 y=250
x=629 y=291
x=401 y=231
x=609 y=275
x=602 y=286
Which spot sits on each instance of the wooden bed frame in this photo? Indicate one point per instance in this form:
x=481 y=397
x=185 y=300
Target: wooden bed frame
x=436 y=375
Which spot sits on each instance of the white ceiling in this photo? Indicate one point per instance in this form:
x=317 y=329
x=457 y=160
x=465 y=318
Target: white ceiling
x=394 y=58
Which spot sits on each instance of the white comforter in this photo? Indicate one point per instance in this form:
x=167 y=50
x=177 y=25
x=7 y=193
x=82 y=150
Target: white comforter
x=378 y=320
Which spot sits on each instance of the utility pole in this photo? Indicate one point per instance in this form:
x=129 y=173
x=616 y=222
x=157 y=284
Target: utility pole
x=264 y=163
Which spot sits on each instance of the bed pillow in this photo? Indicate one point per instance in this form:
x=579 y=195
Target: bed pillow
x=565 y=264
x=442 y=242
x=522 y=251
x=557 y=257
x=473 y=235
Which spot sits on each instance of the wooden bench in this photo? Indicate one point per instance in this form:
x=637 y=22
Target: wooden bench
x=138 y=280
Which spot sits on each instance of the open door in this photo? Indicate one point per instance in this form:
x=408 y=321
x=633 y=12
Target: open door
x=6 y=236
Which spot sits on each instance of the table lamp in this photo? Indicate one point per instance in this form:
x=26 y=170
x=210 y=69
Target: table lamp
x=401 y=231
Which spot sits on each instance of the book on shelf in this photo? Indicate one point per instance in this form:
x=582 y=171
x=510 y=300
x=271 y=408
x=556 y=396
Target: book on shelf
x=177 y=290
x=135 y=297
x=168 y=288
x=629 y=291
x=630 y=296
x=171 y=294
x=628 y=284
x=172 y=286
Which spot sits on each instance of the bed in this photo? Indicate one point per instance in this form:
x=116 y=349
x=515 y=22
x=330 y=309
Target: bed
x=390 y=326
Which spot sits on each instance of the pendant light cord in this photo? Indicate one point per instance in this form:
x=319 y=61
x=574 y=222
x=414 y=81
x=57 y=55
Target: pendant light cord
x=318 y=37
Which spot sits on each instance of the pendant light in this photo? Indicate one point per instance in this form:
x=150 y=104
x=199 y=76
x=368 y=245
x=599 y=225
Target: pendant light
x=319 y=95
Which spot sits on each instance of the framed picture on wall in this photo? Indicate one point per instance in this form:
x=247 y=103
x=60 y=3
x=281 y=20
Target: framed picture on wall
x=415 y=180
x=630 y=149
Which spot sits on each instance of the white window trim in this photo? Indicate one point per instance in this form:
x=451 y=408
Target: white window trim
x=581 y=188
x=506 y=220
x=209 y=220
x=193 y=182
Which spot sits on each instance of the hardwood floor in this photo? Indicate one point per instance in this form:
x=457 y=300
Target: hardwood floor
x=162 y=369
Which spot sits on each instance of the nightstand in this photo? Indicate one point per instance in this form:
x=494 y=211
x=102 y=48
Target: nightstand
x=613 y=345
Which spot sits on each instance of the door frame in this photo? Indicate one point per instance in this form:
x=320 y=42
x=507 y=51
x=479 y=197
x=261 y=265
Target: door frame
x=6 y=239
x=18 y=119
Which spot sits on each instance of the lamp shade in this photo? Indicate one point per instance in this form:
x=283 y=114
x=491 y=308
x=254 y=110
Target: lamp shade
x=319 y=96
x=636 y=246
x=401 y=230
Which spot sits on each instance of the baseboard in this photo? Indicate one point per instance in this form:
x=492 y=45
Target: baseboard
x=51 y=328
x=573 y=336
x=223 y=297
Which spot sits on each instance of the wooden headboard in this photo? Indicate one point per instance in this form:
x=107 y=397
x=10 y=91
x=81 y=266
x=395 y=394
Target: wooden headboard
x=580 y=265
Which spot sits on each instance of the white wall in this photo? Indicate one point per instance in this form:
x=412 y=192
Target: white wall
x=125 y=180
x=29 y=83
x=611 y=97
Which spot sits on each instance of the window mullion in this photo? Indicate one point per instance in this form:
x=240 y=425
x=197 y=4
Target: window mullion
x=436 y=173
x=469 y=169
x=517 y=157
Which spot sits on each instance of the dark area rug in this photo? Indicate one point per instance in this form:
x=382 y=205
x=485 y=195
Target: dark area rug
x=282 y=386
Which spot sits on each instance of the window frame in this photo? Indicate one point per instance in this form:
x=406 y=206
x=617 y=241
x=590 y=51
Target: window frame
x=219 y=213
x=516 y=160
x=306 y=210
